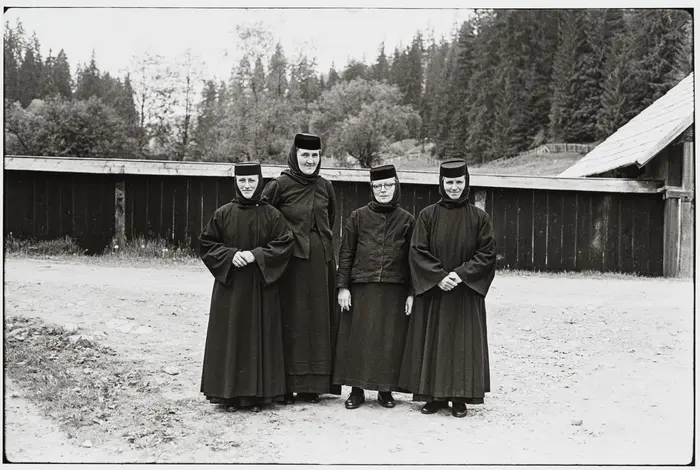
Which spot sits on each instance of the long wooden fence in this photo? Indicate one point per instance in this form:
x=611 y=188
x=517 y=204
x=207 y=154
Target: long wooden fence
x=541 y=223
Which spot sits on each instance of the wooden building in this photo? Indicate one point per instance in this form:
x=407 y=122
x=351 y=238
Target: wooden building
x=657 y=145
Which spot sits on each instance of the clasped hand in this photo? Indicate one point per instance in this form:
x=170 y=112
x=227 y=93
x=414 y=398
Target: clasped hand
x=449 y=282
x=243 y=258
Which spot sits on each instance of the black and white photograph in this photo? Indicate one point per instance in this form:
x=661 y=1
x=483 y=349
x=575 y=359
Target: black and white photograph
x=349 y=234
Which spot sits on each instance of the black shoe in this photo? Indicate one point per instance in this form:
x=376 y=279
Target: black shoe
x=309 y=397
x=288 y=398
x=386 y=400
x=255 y=408
x=459 y=410
x=433 y=407
x=354 y=401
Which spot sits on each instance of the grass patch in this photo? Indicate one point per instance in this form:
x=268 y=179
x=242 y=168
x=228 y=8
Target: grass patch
x=84 y=387
x=65 y=246
x=137 y=250
x=158 y=248
x=574 y=274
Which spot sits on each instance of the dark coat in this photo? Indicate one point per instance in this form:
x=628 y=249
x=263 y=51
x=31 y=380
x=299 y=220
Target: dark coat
x=305 y=206
x=375 y=247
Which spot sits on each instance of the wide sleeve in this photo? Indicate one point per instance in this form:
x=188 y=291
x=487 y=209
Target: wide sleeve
x=272 y=192
x=217 y=256
x=426 y=270
x=346 y=257
x=331 y=205
x=478 y=272
x=273 y=257
x=409 y=234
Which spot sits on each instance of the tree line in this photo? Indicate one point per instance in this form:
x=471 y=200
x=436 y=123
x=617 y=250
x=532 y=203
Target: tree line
x=505 y=82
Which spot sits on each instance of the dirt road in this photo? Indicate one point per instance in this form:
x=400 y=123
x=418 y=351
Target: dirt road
x=584 y=371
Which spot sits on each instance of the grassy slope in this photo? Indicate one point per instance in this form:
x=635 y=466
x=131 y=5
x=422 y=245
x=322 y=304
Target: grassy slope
x=408 y=157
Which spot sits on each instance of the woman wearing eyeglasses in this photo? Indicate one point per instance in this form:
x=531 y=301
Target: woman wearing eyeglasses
x=374 y=292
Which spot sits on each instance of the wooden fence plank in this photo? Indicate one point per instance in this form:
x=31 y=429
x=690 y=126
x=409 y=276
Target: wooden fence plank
x=656 y=237
x=555 y=231
x=641 y=236
x=154 y=212
x=510 y=250
x=194 y=210
x=540 y=230
x=627 y=232
x=499 y=226
x=584 y=229
x=525 y=229
x=209 y=190
x=569 y=231
x=593 y=252
x=180 y=211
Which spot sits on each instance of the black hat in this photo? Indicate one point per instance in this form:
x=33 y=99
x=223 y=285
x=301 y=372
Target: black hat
x=246 y=169
x=382 y=172
x=453 y=168
x=307 y=142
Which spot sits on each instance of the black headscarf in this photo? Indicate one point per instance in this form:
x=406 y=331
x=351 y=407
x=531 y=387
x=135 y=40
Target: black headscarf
x=454 y=169
x=380 y=173
x=306 y=142
x=249 y=169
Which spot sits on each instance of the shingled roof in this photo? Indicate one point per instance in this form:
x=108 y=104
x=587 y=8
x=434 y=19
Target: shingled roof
x=644 y=136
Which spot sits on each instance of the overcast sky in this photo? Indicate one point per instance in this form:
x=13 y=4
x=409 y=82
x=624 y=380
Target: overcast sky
x=330 y=35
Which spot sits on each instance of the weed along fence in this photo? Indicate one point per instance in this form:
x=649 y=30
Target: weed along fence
x=541 y=223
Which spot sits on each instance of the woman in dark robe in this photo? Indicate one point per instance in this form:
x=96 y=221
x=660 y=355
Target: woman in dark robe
x=310 y=319
x=246 y=246
x=374 y=289
x=453 y=262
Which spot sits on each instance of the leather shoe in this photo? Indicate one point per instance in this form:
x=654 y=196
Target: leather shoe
x=386 y=400
x=459 y=410
x=354 y=401
x=288 y=398
x=309 y=397
x=433 y=407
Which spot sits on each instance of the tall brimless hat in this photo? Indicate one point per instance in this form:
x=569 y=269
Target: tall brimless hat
x=382 y=172
x=453 y=168
x=249 y=169
x=307 y=142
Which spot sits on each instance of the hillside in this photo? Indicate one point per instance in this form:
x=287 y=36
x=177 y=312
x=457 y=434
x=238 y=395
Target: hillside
x=407 y=156
x=547 y=164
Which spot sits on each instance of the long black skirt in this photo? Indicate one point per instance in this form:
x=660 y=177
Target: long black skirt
x=310 y=322
x=372 y=337
x=446 y=355
x=243 y=356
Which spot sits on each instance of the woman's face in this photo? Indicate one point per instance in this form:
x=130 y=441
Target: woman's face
x=454 y=187
x=308 y=160
x=384 y=189
x=247 y=185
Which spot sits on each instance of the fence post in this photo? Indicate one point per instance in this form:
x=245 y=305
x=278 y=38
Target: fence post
x=120 y=213
x=480 y=198
x=687 y=218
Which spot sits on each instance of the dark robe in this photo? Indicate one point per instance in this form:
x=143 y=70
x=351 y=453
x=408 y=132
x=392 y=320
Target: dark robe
x=373 y=264
x=309 y=313
x=243 y=356
x=446 y=355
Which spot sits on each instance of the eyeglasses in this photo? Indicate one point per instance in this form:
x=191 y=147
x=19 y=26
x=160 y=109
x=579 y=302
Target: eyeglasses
x=387 y=186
